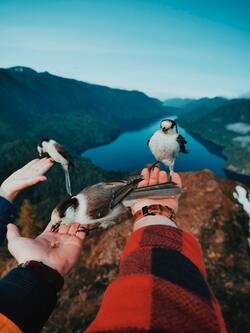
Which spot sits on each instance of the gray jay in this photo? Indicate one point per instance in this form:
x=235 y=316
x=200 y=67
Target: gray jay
x=59 y=155
x=166 y=143
x=106 y=203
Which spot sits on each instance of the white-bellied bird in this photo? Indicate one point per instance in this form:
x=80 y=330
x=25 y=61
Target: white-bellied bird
x=166 y=144
x=58 y=154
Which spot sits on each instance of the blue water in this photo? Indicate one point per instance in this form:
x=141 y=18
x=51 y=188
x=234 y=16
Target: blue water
x=130 y=152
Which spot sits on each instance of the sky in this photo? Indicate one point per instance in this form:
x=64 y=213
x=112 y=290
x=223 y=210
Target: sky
x=165 y=48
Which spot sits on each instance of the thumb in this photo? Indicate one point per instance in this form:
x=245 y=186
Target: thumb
x=37 y=180
x=12 y=232
x=34 y=181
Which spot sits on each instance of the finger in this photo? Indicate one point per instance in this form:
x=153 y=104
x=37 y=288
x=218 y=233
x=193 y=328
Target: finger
x=44 y=167
x=145 y=175
x=64 y=229
x=31 y=163
x=81 y=235
x=32 y=181
x=12 y=232
x=48 y=228
x=44 y=161
x=176 y=179
x=39 y=164
x=154 y=176
x=73 y=228
x=163 y=177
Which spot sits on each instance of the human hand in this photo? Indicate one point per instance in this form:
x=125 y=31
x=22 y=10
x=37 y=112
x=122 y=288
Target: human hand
x=155 y=176
x=59 y=251
x=29 y=175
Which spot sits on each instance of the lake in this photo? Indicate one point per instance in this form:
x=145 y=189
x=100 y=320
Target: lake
x=129 y=152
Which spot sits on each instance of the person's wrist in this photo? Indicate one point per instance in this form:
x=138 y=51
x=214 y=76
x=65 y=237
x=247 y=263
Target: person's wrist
x=147 y=221
x=61 y=269
x=171 y=202
x=154 y=214
x=8 y=195
x=49 y=274
x=56 y=266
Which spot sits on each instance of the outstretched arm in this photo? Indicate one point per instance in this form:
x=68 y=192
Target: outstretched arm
x=32 y=173
x=29 y=175
x=28 y=294
x=162 y=284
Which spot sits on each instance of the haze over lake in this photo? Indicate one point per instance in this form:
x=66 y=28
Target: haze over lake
x=130 y=152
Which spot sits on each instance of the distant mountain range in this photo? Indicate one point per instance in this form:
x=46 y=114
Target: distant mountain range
x=79 y=114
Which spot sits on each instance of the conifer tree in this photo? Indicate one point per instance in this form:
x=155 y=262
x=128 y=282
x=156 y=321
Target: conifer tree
x=27 y=220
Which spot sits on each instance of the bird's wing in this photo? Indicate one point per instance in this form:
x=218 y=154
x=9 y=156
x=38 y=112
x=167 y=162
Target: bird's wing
x=105 y=196
x=61 y=150
x=149 y=140
x=181 y=141
x=121 y=193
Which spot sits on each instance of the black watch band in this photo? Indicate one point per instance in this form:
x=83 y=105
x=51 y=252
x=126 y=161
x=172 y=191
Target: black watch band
x=47 y=273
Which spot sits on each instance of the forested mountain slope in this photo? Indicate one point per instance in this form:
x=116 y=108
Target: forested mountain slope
x=228 y=126
x=79 y=114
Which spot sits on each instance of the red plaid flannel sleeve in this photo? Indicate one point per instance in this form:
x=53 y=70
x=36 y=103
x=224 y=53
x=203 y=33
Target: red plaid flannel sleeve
x=161 y=287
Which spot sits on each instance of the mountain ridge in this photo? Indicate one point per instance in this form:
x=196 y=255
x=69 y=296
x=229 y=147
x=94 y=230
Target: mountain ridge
x=44 y=104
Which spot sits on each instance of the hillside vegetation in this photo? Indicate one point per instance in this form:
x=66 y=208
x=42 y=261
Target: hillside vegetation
x=226 y=125
x=76 y=113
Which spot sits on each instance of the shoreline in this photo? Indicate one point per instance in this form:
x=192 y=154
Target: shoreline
x=212 y=147
x=217 y=150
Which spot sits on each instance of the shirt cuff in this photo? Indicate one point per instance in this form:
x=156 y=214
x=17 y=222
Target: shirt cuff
x=7 y=211
x=7 y=215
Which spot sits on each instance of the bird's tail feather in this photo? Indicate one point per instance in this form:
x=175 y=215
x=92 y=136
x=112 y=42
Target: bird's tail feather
x=155 y=191
x=121 y=193
x=67 y=181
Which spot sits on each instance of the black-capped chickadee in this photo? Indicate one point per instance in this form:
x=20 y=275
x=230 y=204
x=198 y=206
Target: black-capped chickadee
x=166 y=144
x=59 y=155
x=106 y=203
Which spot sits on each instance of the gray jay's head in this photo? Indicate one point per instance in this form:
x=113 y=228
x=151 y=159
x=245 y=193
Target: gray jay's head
x=40 y=147
x=168 y=126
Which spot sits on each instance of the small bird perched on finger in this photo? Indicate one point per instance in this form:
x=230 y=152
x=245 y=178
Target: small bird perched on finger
x=59 y=155
x=166 y=144
x=105 y=203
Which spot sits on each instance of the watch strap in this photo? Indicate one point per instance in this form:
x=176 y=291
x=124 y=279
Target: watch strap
x=155 y=210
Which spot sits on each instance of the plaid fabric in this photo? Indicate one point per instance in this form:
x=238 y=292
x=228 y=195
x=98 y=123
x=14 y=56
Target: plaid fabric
x=161 y=287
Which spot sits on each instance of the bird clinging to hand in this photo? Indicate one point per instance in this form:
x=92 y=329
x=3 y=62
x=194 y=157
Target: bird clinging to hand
x=105 y=203
x=59 y=155
x=166 y=143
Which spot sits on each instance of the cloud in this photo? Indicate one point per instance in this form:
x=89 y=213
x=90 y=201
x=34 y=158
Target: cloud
x=244 y=141
x=241 y=128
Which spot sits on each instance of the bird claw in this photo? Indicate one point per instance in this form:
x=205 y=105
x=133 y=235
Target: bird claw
x=83 y=229
x=151 y=166
x=55 y=227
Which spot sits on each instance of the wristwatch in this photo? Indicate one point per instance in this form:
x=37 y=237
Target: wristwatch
x=47 y=273
x=155 y=210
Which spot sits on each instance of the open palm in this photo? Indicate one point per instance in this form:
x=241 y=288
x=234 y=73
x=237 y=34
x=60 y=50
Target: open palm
x=29 y=175
x=59 y=251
